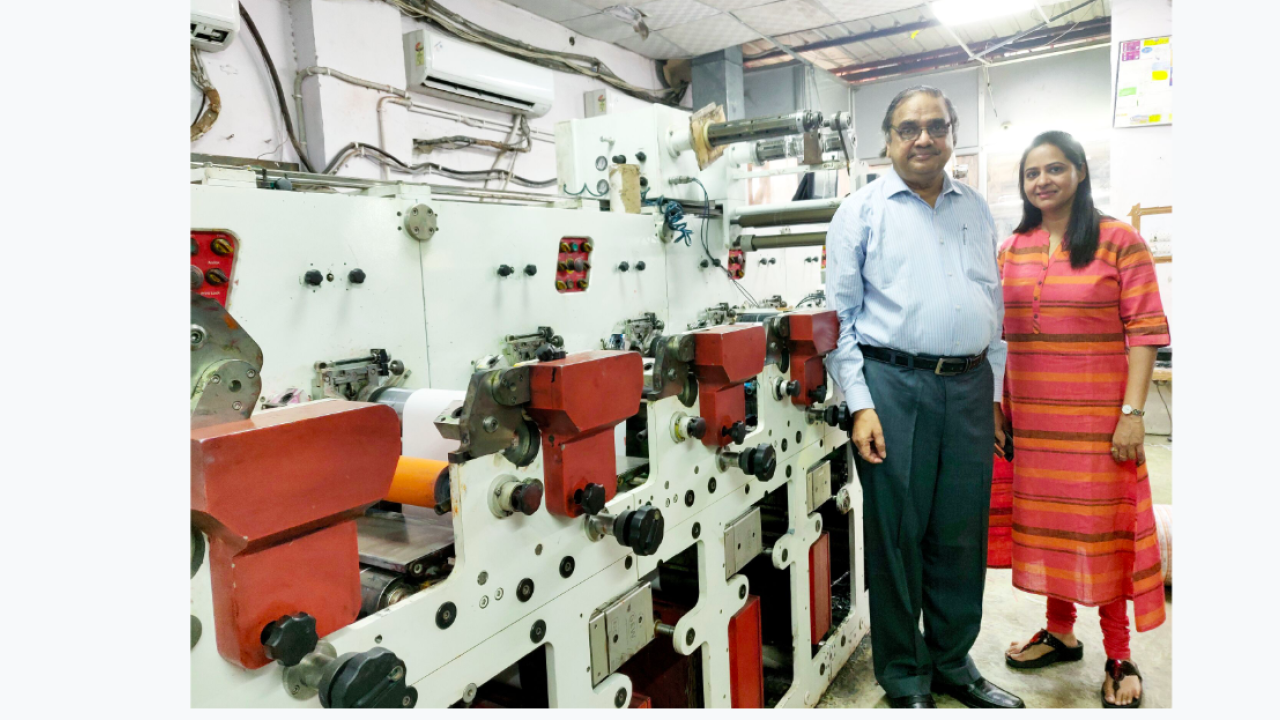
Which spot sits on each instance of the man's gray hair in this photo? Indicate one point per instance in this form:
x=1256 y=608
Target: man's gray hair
x=887 y=123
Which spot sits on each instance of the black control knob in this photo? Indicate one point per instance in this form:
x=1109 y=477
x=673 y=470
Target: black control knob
x=818 y=394
x=531 y=270
x=793 y=388
x=593 y=498
x=759 y=461
x=505 y=270
x=619 y=159
x=641 y=156
x=313 y=277
x=547 y=352
x=773 y=261
x=705 y=263
x=527 y=498
x=624 y=266
x=640 y=266
x=838 y=416
x=697 y=428
x=644 y=181
x=372 y=679
x=356 y=276
x=290 y=638
x=640 y=529
x=197 y=278
x=215 y=276
x=737 y=432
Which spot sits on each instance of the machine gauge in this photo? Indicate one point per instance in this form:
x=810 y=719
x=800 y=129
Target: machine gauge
x=602 y=187
x=602 y=162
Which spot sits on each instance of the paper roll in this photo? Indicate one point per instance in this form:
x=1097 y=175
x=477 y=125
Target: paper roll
x=419 y=435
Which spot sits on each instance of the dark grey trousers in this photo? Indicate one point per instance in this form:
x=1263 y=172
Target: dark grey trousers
x=925 y=523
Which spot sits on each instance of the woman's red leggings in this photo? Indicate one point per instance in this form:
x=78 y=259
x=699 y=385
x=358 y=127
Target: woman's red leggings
x=1115 y=624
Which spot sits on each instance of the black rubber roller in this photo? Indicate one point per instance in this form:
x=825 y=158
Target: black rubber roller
x=640 y=529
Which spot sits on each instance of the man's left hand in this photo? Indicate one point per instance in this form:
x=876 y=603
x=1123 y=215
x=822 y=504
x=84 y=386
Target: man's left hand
x=1126 y=444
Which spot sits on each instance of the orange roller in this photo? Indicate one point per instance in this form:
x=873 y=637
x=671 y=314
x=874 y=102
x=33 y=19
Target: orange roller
x=418 y=482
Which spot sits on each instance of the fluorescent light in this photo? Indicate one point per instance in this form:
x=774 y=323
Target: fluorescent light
x=961 y=12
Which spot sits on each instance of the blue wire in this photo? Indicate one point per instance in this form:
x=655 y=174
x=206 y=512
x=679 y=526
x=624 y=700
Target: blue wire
x=584 y=189
x=672 y=216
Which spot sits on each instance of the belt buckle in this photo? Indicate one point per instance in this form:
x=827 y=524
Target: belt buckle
x=938 y=370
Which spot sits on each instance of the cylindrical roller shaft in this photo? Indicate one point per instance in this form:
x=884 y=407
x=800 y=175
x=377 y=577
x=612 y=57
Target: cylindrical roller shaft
x=379 y=589
x=799 y=216
x=415 y=481
x=733 y=131
x=751 y=243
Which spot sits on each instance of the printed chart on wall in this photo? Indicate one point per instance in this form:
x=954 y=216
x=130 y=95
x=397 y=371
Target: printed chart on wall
x=1144 y=83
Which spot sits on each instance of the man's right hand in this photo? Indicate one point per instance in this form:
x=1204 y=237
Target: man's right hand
x=867 y=436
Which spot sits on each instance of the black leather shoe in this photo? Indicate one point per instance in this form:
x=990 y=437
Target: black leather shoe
x=979 y=694
x=912 y=701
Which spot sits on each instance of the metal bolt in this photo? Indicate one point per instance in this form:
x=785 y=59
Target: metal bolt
x=621 y=698
x=416 y=568
x=250 y=373
x=397 y=673
x=490 y=424
x=404 y=701
x=688 y=637
x=215 y=379
x=484 y=601
x=742 y=592
x=469 y=694
x=413 y=211
x=483 y=578
x=237 y=405
x=498 y=594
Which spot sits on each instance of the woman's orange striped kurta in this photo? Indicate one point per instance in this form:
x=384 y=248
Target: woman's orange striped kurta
x=1083 y=529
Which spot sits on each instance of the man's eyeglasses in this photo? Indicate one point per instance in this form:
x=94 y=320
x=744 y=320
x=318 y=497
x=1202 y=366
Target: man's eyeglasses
x=910 y=131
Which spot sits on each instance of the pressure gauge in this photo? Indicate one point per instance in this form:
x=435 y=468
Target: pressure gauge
x=602 y=162
x=602 y=187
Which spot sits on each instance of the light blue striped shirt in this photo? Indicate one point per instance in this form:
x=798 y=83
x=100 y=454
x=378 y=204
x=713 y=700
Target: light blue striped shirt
x=917 y=279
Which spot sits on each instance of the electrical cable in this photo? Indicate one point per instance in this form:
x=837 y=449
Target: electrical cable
x=275 y=81
x=706 y=220
x=378 y=155
x=585 y=189
x=460 y=27
x=208 y=116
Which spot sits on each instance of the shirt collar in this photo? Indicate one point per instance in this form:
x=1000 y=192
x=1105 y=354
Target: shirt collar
x=895 y=184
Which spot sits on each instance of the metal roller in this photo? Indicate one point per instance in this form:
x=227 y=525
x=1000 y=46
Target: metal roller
x=751 y=243
x=797 y=216
x=380 y=589
x=733 y=131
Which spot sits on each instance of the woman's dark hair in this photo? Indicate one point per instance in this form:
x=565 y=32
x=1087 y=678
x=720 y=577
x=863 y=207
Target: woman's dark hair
x=887 y=123
x=1082 y=229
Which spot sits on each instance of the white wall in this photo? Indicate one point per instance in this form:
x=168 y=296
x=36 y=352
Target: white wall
x=362 y=38
x=1143 y=156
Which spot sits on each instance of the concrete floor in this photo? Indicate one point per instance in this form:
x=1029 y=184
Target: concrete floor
x=1011 y=615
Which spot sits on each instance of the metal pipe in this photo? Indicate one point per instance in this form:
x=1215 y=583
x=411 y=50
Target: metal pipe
x=753 y=60
x=749 y=210
x=1046 y=23
x=787 y=217
x=752 y=243
x=727 y=133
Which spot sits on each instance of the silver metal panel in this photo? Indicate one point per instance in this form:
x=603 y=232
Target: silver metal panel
x=819 y=485
x=743 y=540
x=619 y=630
x=599 y=648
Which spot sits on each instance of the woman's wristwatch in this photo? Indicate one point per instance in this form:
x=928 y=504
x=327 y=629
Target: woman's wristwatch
x=1132 y=411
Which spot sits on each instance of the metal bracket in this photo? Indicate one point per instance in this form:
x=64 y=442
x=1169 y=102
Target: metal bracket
x=544 y=344
x=777 y=329
x=225 y=366
x=356 y=378
x=635 y=334
x=721 y=314
x=491 y=418
x=672 y=371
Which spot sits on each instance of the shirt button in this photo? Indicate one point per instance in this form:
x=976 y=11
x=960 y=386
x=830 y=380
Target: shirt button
x=957 y=307
x=948 y=274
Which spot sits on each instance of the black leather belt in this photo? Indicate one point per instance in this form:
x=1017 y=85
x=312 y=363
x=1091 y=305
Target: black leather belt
x=944 y=366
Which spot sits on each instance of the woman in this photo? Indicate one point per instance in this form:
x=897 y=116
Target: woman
x=1083 y=320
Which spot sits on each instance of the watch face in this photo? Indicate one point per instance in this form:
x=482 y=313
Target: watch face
x=1127 y=409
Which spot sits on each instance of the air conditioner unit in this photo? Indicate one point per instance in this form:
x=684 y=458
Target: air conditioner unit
x=214 y=23
x=451 y=69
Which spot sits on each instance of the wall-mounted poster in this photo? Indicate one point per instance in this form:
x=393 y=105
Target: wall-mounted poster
x=1144 y=83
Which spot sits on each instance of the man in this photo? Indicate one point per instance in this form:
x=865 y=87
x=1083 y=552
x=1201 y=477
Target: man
x=912 y=274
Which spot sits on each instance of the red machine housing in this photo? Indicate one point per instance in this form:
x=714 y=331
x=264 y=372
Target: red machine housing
x=278 y=495
x=813 y=334
x=723 y=358
x=576 y=402
x=746 y=656
x=820 y=588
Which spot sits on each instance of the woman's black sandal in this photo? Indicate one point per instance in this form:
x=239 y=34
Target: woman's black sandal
x=1059 y=652
x=1118 y=670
